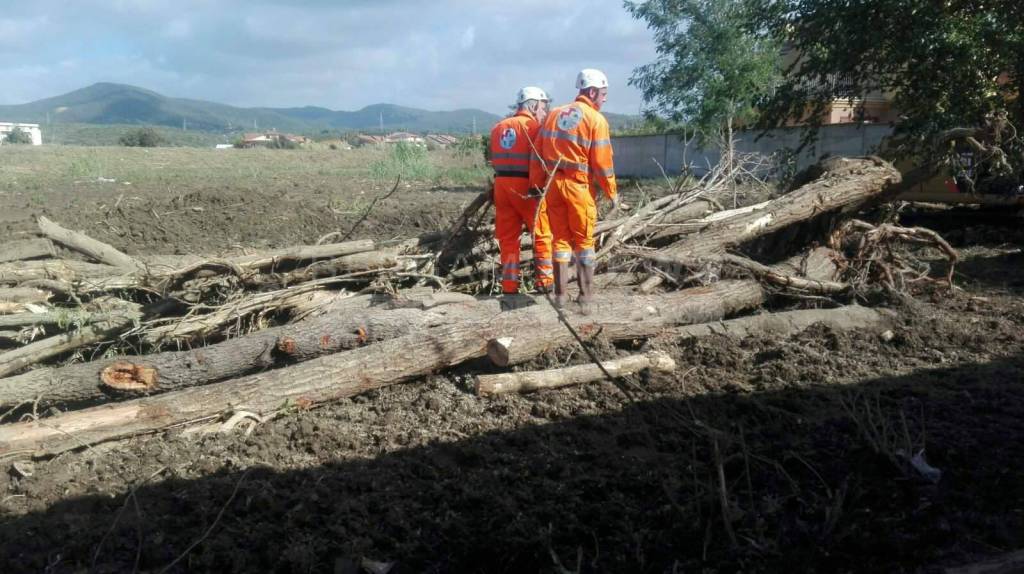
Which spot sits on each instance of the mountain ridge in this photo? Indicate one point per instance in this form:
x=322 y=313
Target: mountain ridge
x=112 y=103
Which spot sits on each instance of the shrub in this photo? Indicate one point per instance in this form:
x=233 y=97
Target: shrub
x=402 y=159
x=142 y=137
x=18 y=136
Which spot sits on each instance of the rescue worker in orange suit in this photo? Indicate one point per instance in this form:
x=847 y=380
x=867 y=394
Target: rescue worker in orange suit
x=575 y=142
x=511 y=148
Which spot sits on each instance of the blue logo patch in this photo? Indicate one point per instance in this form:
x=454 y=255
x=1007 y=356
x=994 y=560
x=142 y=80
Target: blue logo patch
x=569 y=118
x=508 y=138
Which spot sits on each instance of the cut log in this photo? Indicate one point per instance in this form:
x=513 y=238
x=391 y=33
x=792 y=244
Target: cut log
x=52 y=318
x=861 y=179
x=129 y=376
x=697 y=305
x=272 y=259
x=84 y=244
x=524 y=382
x=356 y=263
x=26 y=249
x=353 y=372
x=56 y=269
x=23 y=295
x=650 y=284
x=788 y=323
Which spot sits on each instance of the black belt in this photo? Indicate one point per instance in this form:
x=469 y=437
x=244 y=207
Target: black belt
x=512 y=174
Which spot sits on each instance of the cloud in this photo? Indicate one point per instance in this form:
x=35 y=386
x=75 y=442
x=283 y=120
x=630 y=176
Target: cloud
x=444 y=54
x=468 y=38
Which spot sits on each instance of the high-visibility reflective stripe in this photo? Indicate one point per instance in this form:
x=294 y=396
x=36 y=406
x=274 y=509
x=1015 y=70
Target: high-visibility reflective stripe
x=574 y=138
x=512 y=171
x=510 y=266
x=510 y=277
x=585 y=257
x=542 y=262
x=568 y=166
x=608 y=172
x=512 y=166
x=563 y=256
x=601 y=143
x=511 y=155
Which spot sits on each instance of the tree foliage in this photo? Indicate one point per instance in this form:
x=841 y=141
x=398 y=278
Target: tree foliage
x=945 y=64
x=716 y=60
x=142 y=137
x=18 y=136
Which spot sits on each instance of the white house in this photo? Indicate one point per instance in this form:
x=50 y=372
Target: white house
x=31 y=129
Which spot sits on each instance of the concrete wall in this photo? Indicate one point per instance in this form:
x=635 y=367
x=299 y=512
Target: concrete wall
x=639 y=156
x=31 y=129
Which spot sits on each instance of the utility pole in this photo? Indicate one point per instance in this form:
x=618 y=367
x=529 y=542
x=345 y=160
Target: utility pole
x=474 y=126
x=381 y=123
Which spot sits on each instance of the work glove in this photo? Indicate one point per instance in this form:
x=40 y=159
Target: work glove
x=535 y=192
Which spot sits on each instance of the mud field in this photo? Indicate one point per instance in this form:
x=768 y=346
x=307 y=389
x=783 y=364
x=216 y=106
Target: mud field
x=806 y=433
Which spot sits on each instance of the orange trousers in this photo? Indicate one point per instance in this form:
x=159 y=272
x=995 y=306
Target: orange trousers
x=572 y=215
x=513 y=211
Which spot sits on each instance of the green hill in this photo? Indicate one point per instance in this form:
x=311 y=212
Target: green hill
x=107 y=104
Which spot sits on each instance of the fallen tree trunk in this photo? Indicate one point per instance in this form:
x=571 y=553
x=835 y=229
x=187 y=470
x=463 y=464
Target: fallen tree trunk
x=138 y=375
x=84 y=244
x=861 y=180
x=55 y=269
x=271 y=259
x=788 y=323
x=696 y=305
x=353 y=372
x=524 y=382
x=356 y=263
x=23 y=295
x=26 y=249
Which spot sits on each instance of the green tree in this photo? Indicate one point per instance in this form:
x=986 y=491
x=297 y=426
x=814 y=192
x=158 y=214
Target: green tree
x=945 y=64
x=716 y=60
x=142 y=137
x=18 y=136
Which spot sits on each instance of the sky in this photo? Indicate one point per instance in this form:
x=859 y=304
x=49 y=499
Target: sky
x=338 y=54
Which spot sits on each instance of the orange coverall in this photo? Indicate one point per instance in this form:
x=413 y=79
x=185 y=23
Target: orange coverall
x=511 y=150
x=578 y=135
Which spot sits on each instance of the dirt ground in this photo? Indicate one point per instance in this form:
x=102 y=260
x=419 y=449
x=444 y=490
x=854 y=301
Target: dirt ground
x=757 y=455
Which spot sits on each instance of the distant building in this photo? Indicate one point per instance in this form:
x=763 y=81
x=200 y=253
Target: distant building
x=404 y=137
x=251 y=140
x=364 y=139
x=442 y=140
x=31 y=129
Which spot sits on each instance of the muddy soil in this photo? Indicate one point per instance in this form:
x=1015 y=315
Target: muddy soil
x=216 y=221
x=757 y=455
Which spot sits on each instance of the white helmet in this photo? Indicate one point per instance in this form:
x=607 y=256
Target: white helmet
x=591 y=78
x=531 y=93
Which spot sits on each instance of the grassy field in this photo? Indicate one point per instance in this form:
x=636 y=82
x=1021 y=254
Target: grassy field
x=42 y=168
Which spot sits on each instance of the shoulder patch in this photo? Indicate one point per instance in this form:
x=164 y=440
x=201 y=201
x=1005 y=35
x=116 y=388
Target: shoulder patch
x=508 y=138
x=569 y=118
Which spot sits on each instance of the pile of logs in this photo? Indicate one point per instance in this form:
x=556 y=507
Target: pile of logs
x=117 y=346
